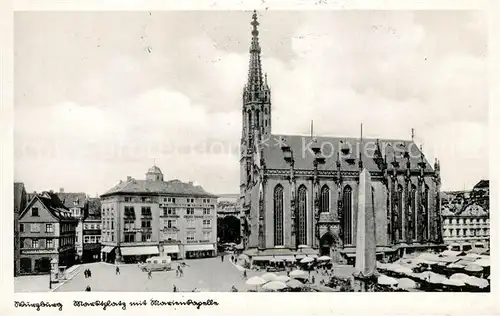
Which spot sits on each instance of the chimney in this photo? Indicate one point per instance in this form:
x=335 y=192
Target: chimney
x=129 y=178
x=61 y=190
x=51 y=192
x=190 y=183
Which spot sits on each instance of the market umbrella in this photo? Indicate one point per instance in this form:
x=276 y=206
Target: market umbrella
x=324 y=258
x=478 y=282
x=385 y=280
x=294 y=284
x=455 y=266
x=484 y=262
x=473 y=268
x=453 y=282
x=303 y=246
x=274 y=286
x=307 y=260
x=459 y=276
x=255 y=280
x=473 y=255
x=298 y=274
x=436 y=278
x=403 y=270
x=282 y=278
x=406 y=284
x=269 y=276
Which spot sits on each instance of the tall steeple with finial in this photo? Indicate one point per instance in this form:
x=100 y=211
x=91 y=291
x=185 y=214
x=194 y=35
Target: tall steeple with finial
x=256 y=93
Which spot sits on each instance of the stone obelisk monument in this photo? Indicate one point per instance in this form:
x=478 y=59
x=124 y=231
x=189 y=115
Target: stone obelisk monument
x=366 y=242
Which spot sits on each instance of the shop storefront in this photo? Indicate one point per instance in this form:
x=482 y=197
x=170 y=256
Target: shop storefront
x=138 y=254
x=108 y=254
x=172 y=251
x=199 y=251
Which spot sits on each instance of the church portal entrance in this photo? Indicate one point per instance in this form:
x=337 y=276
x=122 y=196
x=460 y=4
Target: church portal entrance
x=326 y=242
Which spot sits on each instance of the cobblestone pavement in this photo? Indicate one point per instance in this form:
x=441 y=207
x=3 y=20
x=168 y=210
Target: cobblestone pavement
x=210 y=274
x=32 y=283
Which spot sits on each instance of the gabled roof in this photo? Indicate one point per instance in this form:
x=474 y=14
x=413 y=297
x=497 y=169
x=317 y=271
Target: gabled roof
x=473 y=210
x=374 y=152
x=172 y=187
x=52 y=203
x=73 y=199
x=483 y=184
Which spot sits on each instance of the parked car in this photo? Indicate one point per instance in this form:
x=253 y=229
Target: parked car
x=163 y=263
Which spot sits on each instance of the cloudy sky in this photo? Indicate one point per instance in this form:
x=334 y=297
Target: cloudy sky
x=99 y=96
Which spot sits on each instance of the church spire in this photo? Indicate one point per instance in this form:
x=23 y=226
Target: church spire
x=255 y=67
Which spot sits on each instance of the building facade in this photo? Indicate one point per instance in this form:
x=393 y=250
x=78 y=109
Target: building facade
x=76 y=203
x=47 y=233
x=20 y=201
x=466 y=220
x=142 y=218
x=92 y=231
x=302 y=190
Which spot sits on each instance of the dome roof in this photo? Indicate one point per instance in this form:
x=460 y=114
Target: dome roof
x=154 y=169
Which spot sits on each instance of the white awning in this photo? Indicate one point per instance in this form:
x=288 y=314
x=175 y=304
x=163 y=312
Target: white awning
x=139 y=251
x=262 y=258
x=199 y=247
x=171 y=249
x=107 y=249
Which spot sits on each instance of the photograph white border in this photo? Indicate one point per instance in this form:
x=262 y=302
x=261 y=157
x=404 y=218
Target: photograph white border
x=244 y=303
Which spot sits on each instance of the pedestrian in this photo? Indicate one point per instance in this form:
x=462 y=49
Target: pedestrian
x=150 y=276
x=232 y=260
x=244 y=274
x=177 y=273
x=222 y=258
x=117 y=270
x=89 y=273
x=175 y=288
x=85 y=273
x=288 y=273
x=313 y=280
x=181 y=272
x=88 y=289
x=234 y=289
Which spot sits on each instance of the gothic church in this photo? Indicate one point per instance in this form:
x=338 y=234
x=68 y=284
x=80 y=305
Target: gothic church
x=302 y=192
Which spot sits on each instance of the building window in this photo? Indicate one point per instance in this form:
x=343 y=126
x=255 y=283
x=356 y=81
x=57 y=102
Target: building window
x=427 y=213
x=34 y=243
x=278 y=215
x=190 y=223
x=302 y=216
x=49 y=228
x=112 y=225
x=86 y=239
x=400 y=204
x=171 y=223
x=169 y=211
x=207 y=235
x=324 y=202
x=206 y=211
x=190 y=211
x=347 y=215
x=146 y=224
x=21 y=228
x=128 y=199
x=129 y=225
x=190 y=236
x=146 y=211
x=413 y=214
x=171 y=200
x=189 y=200
x=146 y=237
x=207 y=223
x=35 y=228
x=129 y=212
x=129 y=237
x=34 y=211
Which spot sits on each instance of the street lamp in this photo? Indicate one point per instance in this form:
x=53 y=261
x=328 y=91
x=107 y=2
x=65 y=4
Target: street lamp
x=289 y=159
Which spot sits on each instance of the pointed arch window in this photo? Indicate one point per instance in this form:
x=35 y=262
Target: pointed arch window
x=347 y=216
x=302 y=215
x=324 y=202
x=278 y=216
x=400 y=211
x=427 y=217
x=413 y=208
